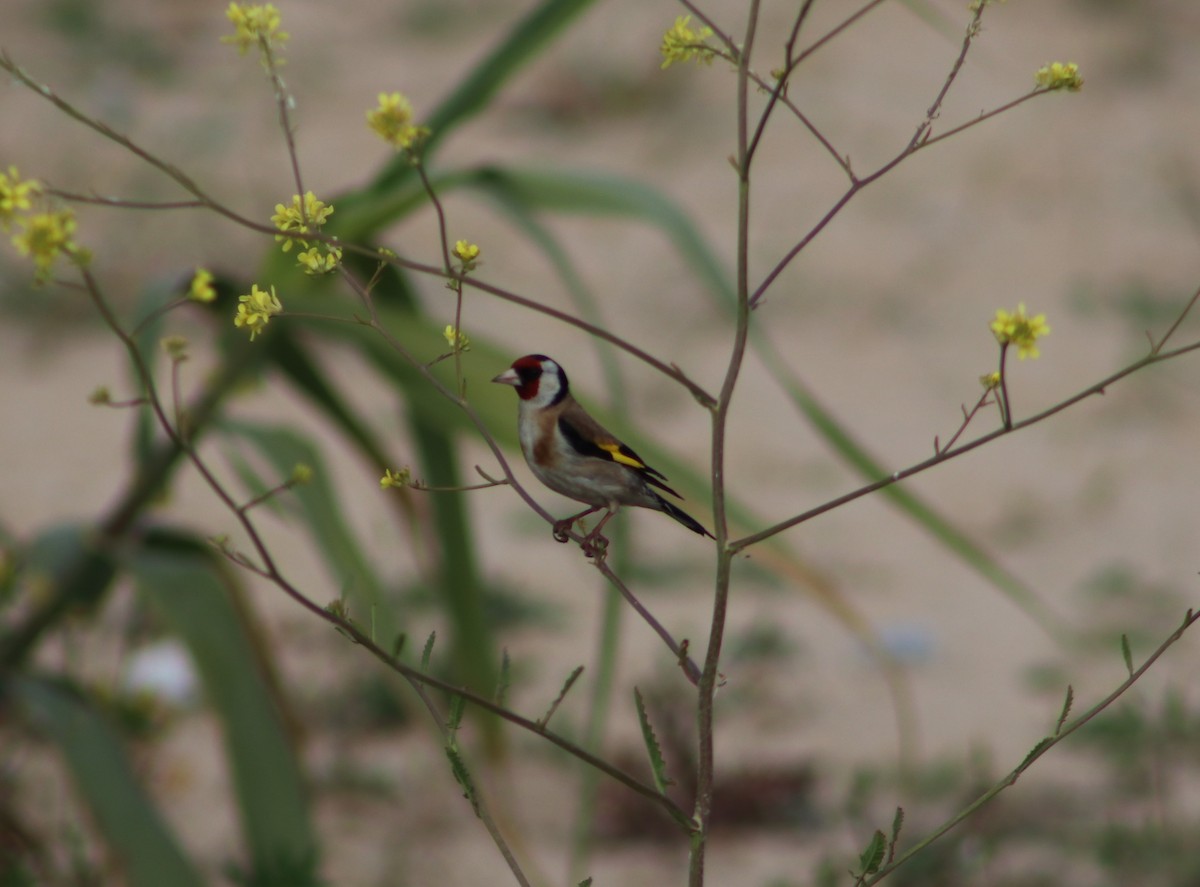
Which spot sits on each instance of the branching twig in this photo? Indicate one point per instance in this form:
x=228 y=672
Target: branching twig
x=947 y=454
x=1038 y=750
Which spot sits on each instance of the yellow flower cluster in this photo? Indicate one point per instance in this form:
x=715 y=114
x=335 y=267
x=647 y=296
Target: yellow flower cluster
x=44 y=236
x=202 y=289
x=1057 y=75
x=456 y=339
x=682 y=44
x=256 y=309
x=15 y=195
x=467 y=253
x=466 y=250
x=392 y=119
x=315 y=261
x=302 y=218
x=1020 y=329
x=254 y=25
x=397 y=479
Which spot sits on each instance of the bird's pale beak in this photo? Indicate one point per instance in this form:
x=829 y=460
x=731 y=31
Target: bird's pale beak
x=508 y=377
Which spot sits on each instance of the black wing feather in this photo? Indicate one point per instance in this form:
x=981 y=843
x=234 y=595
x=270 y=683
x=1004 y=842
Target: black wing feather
x=590 y=448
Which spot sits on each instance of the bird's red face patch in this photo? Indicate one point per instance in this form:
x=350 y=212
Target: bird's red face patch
x=529 y=371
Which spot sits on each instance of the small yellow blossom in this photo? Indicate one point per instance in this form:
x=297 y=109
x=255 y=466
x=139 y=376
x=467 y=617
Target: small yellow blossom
x=300 y=218
x=44 y=235
x=316 y=261
x=176 y=347
x=14 y=195
x=256 y=309
x=202 y=289
x=100 y=397
x=392 y=120
x=682 y=44
x=990 y=380
x=466 y=250
x=456 y=339
x=1019 y=329
x=397 y=479
x=301 y=474
x=254 y=24
x=1056 y=75
x=467 y=253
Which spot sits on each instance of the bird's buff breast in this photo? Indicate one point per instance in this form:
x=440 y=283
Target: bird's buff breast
x=583 y=479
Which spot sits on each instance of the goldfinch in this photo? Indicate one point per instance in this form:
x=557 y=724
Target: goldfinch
x=572 y=453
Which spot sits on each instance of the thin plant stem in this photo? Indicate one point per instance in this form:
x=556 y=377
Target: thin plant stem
x=946 y=455
x=705 y=759
x=1005 y=403
x=283 y=102
x=781 y=83
x=690 y=669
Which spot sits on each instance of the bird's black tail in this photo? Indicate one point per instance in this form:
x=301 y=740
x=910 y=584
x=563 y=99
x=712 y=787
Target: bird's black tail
x=683 y=517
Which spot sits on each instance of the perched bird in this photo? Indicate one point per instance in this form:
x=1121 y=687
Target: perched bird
x=572 y=453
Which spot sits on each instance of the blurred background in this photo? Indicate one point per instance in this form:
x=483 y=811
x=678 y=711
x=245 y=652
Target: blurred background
x=869 y=665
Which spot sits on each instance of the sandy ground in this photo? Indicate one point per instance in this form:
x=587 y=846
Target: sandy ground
x=1082 y=206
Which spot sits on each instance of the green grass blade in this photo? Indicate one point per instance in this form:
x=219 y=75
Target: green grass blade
x=524 y=43
x=322 y=514
x=182 y=579
x=460 y=585
x=363 y=213
x=145 y=848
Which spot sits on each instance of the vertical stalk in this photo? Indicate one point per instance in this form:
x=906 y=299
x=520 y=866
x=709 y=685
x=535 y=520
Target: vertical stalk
x=705 y=768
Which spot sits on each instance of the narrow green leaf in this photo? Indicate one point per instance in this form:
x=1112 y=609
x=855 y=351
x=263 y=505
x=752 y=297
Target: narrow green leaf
x=502 y=682
x=1034 y=752
x=80 y=573
x=290 y=356
x=562 y=694
x=1066 y=709
x=897 y=825
x=871 y=857
x=462 y=775
x=180 y=576
x=657 y=765
x=458 y=704
x=105 y=779
x=1127 y=654
x=427 y=653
